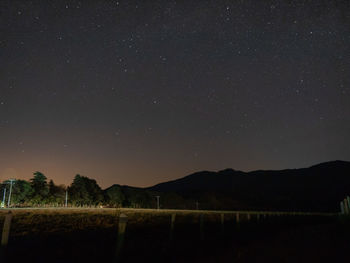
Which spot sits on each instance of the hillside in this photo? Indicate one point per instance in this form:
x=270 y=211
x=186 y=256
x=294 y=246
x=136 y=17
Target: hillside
x=317 y=188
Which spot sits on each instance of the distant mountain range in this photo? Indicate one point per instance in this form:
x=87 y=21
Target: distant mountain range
x=317 y=188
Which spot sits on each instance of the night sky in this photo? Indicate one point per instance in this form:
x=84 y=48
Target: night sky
x=141 y=92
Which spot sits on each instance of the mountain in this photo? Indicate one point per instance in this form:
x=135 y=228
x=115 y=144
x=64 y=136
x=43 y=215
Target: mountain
x=320 y=187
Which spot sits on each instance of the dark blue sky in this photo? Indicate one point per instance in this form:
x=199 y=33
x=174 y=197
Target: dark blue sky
x=139 y=92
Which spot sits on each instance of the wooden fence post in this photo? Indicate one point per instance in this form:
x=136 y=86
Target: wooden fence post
x=5 y=235
x=172 y=223
x=201 y=226
x=123 y=219
x=237 y=221
x=237 y=218
x=248 y=217
x=222 y=220
x=346 y=207
x=348 y=198
x=342 y=208
x=6 y=230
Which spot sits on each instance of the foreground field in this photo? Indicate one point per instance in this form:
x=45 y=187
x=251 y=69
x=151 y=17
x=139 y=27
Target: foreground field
x=90 y=235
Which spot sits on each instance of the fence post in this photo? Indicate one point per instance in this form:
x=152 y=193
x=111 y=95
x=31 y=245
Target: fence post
x=201 y=226
x=342 y=208
x=172 y=222
x=258 y=218
x=123 y=219
x=5 y=235
x=222 y=220
x=346 y=207
x=237 y=218
x=6 y=229
x=248 y=217
x=237 y=221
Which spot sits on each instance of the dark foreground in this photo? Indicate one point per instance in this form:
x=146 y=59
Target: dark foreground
x=92 y=237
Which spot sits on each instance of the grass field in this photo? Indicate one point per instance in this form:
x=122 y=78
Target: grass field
x=90 y=235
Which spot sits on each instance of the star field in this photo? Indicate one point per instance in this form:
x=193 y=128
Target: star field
x=139 y=92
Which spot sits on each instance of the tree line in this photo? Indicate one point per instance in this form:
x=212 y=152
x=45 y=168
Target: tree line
x=83 y=191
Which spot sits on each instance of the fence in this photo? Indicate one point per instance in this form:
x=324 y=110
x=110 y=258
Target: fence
x=222 y=216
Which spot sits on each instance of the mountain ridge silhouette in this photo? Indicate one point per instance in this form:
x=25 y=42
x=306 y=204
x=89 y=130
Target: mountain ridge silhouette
x=319 y=187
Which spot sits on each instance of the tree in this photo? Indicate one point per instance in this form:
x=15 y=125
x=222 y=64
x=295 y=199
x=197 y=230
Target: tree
x=21 y=192
x=40 y=188
x=172 y=200
x=114 y=196
x=138 y=198
x=85 y=191
x=56 y=193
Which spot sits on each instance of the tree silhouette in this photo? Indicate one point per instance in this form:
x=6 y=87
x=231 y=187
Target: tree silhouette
x=22 y=192
x=85 y=191
x=56 y=193
x=40 y=188
x=114 y=196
